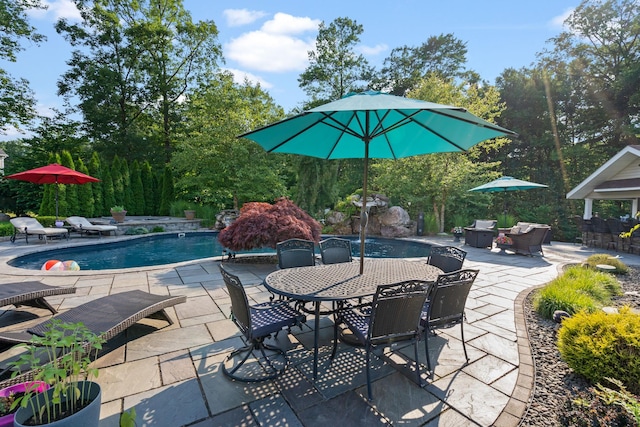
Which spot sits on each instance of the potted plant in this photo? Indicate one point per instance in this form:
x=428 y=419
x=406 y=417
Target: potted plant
x=61 y=358
x=503 y=242
x=10 y=394
x=118 y=213
x=457 y=233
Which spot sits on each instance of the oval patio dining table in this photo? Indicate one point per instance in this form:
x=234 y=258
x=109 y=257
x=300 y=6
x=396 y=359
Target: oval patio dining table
x=342 y=281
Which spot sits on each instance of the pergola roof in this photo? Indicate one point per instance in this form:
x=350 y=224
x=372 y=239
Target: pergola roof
x=617 y=179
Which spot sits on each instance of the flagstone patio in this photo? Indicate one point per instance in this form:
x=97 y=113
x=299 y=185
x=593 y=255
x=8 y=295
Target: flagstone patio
x=171 y=374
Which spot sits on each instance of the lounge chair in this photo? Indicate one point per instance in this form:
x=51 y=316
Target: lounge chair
x=31 y=294
x=106 y=316
x=529 y=241
x=82 y=225
x=30 y=226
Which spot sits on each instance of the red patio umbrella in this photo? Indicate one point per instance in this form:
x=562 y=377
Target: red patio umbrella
x=53 y=174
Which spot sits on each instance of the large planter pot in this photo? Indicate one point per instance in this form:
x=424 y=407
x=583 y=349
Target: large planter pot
x=89 y=416
x=189 y=214
x=7 y=420
x=119 y=216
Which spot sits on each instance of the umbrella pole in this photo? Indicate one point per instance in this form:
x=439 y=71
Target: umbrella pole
x=364 y=215
x=56 y=200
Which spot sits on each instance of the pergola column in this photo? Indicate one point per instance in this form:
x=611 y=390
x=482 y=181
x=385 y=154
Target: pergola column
x=634 y=207
x=588 y=208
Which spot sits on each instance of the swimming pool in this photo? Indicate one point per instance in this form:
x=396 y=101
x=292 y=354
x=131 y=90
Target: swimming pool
x=169 y=248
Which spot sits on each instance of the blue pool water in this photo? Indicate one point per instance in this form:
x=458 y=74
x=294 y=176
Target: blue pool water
x=159 y=249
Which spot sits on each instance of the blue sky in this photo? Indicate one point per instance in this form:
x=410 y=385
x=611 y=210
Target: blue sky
x=268 y=41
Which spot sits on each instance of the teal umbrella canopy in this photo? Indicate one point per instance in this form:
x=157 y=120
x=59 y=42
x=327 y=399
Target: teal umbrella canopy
x=390 y=127
x=373 y=124
x=507 y=183
x=504 y=184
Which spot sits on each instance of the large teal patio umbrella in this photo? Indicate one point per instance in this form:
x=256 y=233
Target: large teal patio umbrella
x=375 y=125
x=504 y=184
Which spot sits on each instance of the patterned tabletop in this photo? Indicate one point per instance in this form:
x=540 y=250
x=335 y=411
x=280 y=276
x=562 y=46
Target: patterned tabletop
x=335 y=282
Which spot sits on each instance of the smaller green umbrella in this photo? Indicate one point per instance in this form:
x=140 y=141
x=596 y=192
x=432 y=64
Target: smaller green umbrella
x=504 y=184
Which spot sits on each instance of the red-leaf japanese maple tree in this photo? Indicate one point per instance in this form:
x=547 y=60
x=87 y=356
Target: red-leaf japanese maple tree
x=263 y=225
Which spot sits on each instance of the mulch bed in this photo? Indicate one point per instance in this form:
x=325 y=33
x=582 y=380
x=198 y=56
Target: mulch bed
x=556 y=386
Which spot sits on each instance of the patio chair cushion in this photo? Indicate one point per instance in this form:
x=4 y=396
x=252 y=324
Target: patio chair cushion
x=30 y=225
x=484 y=224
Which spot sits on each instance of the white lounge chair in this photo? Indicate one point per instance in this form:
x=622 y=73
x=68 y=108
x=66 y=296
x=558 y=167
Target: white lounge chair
x=30 y=226
x=82 y=224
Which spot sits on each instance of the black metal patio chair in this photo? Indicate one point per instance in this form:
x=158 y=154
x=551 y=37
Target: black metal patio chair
x=393 y=316
x=334 y=250
x=445 y=305
x=295 y=253
x=257 y=323
x=447 y=258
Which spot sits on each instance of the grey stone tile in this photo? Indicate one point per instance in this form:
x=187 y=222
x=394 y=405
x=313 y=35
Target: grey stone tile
x=506 y=383
x=167 y=341
x=116 y=381
x=176 y=366
x=196 y=306
x=488 y=369
x=472 y=398
x=175 y=405
x=348 y=409
x=223 y=394
x=500 y=347
x=402 y=402
x=273 y=411
x=238 y=417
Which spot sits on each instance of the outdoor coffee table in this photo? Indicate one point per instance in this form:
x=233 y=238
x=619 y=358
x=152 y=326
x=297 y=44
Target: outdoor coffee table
x=340 y=282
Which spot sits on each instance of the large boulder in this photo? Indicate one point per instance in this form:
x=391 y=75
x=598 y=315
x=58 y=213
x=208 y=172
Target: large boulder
x=394 y=216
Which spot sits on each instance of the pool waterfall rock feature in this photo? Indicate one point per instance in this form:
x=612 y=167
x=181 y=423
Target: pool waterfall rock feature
x=384 y=220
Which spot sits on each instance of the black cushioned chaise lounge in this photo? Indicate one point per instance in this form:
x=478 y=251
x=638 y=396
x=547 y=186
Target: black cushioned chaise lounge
x=106 y=316
x=31 y=294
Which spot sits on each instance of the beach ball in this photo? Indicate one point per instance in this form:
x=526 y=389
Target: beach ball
x=53 y=265
x=71 y=265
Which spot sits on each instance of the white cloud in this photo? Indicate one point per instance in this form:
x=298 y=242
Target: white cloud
x=240 y=76
x=557 y=22
x=57 y=9
x=283 y=23
x=373 y=50
x=276 y=47
x=238 y=17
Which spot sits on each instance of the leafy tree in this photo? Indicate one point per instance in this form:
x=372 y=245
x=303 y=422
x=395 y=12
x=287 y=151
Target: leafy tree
x=602 y=49
x=437 y=181
x=334 y=68
x=48 y=204
x=443 y=55
x=70 y=204
x=146 y=176
x=212 y=165
x=16 y=99
x=95 y=170
x=118 y=182
x=137 y=190
x=134 y=62
x=264 y=225
x=168 y=193
x=109 y=191
x=86 y=202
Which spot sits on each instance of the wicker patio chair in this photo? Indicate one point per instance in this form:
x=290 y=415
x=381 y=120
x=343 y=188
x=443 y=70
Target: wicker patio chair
x=31 y=294
x=334 y=250
x=529 y=242
x=295 y=253
x=393 y=316
x=106 y=316
x=447 y=258
x=445 y=305
x=257 y=322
